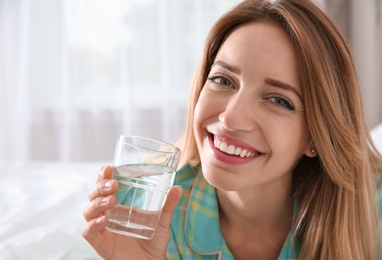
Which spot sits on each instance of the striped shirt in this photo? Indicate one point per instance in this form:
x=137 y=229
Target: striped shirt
x=195 y=228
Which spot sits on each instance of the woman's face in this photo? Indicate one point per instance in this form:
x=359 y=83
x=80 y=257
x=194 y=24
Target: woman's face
x=250 y=126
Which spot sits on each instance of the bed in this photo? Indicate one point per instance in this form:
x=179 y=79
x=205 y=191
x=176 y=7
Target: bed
x=41 y=208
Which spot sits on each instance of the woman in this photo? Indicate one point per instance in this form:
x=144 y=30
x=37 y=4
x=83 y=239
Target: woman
x=278 y=160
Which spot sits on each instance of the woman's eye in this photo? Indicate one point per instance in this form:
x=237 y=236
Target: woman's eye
x=282 y=102
x=220 y=81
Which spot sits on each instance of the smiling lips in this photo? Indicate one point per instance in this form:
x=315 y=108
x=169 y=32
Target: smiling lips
x=232 y=153
x=232 y=149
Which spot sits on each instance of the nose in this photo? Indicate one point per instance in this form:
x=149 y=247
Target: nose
x=239 y=114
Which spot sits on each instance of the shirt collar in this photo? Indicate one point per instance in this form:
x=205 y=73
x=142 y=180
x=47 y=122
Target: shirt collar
x=202 y=226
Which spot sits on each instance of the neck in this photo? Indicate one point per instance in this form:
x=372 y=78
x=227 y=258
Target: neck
x=259 y=208
x=255 y=223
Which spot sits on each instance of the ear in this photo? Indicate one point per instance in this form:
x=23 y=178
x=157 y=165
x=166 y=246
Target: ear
x=311 y=151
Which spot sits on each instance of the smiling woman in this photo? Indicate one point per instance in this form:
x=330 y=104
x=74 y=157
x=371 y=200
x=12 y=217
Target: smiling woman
x=75 y=73
x=277 y=159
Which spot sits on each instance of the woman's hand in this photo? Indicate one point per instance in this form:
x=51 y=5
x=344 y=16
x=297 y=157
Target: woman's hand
x=110 y=245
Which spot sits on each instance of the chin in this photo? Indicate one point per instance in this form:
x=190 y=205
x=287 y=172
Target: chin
x=220 y=178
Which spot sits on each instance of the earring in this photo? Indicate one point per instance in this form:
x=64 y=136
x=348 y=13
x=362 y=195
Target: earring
x=313 y=151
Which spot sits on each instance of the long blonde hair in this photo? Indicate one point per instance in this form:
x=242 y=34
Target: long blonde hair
x=335 y=191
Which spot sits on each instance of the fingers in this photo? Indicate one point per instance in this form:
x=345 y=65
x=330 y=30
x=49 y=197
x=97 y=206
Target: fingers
x=105 y=173
x=101 y=200
x=92 y=231
x=100 y=196
x=172 y=200
x=98 y=207
x=103 y=188
x=105 y=185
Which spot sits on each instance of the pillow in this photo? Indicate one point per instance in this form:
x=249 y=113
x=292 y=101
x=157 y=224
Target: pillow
x=376 y=134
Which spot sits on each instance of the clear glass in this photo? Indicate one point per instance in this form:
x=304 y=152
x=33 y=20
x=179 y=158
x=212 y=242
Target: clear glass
x=145 y=169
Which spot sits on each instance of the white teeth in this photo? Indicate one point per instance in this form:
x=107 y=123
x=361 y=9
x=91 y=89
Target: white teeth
x=243 y=153
x=217 y=142
x=231 y=149
x=223 y=147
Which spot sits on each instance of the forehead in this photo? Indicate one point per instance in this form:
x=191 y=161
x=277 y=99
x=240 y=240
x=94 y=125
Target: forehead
x=262 y=37
x=261 y=47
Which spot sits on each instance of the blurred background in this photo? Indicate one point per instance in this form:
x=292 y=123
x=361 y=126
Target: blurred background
x=74 y=74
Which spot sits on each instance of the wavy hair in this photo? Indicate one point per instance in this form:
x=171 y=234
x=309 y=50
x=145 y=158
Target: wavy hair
x=337 y=190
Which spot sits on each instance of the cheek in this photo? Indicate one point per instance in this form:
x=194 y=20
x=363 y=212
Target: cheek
x=204 y=113
x=288 y=136
x=297 y=140
x=198 y=121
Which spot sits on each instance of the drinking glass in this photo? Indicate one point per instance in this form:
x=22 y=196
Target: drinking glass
x=145 y=170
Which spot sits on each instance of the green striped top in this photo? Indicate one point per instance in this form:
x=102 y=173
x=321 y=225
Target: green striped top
x=195 y=228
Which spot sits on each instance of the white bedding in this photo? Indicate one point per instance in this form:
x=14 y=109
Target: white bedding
x=376 y=134
x=41 y=209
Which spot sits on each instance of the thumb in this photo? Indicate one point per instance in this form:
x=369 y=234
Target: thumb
x=173 y=197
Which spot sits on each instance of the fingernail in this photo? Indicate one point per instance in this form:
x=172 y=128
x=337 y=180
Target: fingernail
x=100 y=220
x=104 y=201
x=108 y=184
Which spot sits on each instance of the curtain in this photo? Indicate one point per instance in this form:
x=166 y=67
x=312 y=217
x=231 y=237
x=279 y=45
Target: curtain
x=366 y=40
x=361 y=23
x=74 y=74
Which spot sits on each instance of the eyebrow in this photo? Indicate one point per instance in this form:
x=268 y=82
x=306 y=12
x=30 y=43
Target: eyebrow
x=282 y=85
x=225 y=66
x=269 y=81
